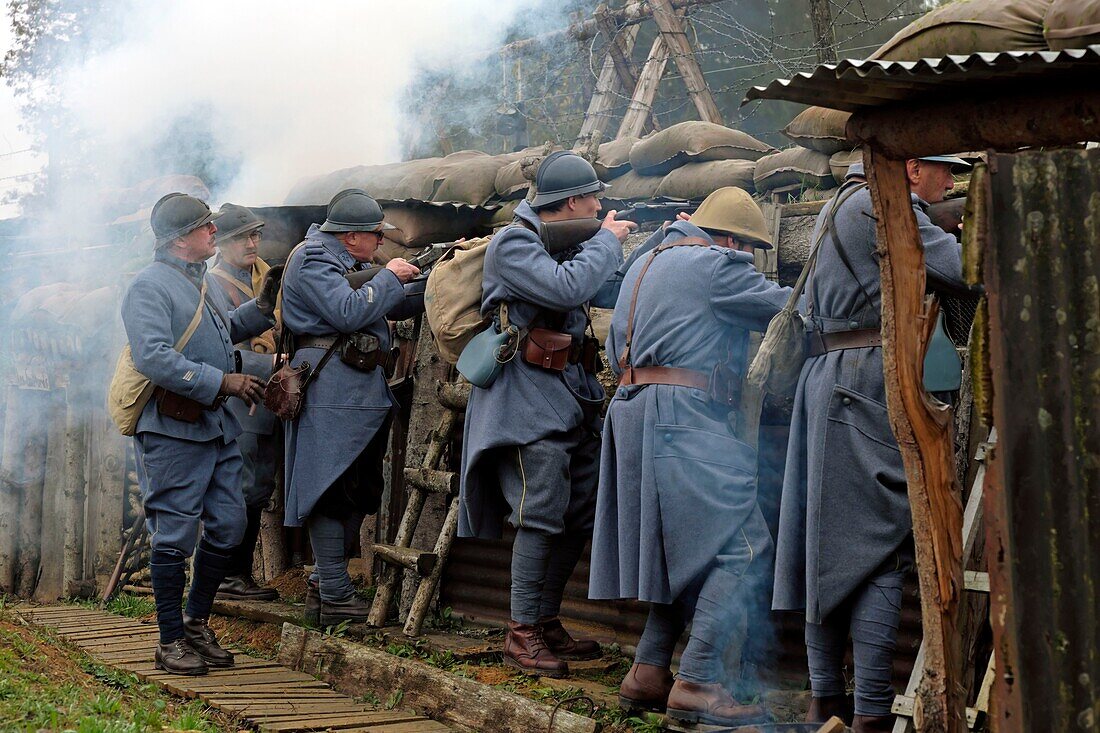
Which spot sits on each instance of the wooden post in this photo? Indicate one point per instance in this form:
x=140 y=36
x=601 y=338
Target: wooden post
x=48 y=559
x=821 y=17
x=617 y=50
x=12 y=478
x=923 y=428
x=73 y=494
x=672 y=29
x=105 y=500
x=608 y=87
x=641 y=102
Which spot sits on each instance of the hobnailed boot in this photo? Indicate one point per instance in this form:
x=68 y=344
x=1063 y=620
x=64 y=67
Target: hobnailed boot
x=525 y=649
x=823 y=708
x=177 y=657
x=873 y=724
x=712 y=704
x=565 y=646
x=202 y=639
x=353 y=609
x=245 y=588
x=311 y=614
x=645 y=687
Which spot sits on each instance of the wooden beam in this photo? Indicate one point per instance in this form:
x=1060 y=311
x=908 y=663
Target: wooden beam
x=617 y=50
x=1052 y=117
x=821 y=17
x=672 y=29
x=608 y=86
x=640 y=108
x=923 y=428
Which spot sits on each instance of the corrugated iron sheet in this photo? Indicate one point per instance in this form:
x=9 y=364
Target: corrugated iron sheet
x=853 y=84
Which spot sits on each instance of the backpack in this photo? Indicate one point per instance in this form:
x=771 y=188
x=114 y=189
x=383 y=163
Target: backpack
x=452 y=297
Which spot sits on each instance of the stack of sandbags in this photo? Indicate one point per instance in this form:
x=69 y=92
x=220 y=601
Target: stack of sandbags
x=468 y=176
x=842 y=161
x=796 y=166
x=613 y=158
x=965 y=27
x=693 y=142
x=699 y=180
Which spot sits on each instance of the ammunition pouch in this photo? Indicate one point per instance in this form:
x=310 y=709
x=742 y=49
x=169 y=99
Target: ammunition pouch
x=547 y=349
x=362 y=352
x=182 y=408
x=725 y=386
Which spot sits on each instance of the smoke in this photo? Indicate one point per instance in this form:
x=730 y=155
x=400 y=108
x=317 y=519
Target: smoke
x=274 y=91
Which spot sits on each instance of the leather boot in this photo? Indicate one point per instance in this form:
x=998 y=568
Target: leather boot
x=202 y=639
x=645 y=687
x=565 y=646
x=712 y=704
x=525 y=649
x=311 y=614
x=353 y=609
x=873 y=724
x=177 y=657
x=823 y=708
x=245 y=588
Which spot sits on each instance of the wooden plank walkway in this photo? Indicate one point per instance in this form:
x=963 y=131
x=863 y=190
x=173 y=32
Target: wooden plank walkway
x=258 y=692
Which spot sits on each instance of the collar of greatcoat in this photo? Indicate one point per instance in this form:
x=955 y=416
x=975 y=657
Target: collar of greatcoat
x=856 y=171
x=195 y=270
x=527 y=214
x=333 y=245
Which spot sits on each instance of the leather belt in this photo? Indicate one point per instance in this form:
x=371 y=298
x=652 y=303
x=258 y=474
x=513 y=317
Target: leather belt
x=665 y=375
x=821 y=343
x=314 y=342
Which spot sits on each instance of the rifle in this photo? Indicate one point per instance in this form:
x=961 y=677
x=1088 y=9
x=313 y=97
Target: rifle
x=424 y=260
x=559 y=236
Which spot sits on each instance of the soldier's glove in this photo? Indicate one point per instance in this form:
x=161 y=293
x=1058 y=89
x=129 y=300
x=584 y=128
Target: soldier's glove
x=247 y=387
x=269 y=290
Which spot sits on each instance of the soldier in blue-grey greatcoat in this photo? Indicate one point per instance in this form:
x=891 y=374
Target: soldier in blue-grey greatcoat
x=531 y=443
x=188 y=462
x=334 y=448
x=845 y=531
x=233 y=280
x=677 y=521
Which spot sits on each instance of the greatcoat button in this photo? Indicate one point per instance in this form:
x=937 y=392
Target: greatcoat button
x=853 y=324
x=847 y=400
x=668 y=437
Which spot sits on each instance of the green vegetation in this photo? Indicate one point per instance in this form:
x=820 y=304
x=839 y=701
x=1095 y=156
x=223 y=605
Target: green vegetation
x=47 y=685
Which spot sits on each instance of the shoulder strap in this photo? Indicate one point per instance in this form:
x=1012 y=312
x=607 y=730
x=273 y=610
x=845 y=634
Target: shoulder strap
x=194 y=324
x=624 y=358
x=238 y=288
x=828 y=227
x=843 y=254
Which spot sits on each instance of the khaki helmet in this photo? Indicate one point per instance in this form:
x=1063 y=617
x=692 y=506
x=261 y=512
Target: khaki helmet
x=732 y=211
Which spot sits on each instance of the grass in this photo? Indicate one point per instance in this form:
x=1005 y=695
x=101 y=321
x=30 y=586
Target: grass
x=45 y=684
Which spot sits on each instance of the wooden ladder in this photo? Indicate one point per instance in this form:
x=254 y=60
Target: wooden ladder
x=420 y=482
x=975 y=582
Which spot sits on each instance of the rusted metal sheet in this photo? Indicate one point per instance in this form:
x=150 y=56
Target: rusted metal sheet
x=855 y=84
x=1043 y=278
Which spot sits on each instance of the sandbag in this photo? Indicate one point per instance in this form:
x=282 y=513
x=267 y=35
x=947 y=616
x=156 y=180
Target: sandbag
x=699 y=180
x=793 y=166
x=509 y=183
x=470 y=179
x=820 y=129
x=452 y=298
x=613 y=158
x=840 y=162
x=964 y=27
x=417 y=180
x=693 y=142
x=631 y=185
x=1072 y=24
x=421 y=225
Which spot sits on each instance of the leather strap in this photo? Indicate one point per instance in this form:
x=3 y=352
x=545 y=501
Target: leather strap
x=665 y=375
x=315 y=342
x=624 y=358
x=822 y=343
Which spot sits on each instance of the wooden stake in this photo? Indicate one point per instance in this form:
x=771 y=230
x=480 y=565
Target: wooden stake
x=425 y=591
x=44 y=466
x=608 y=86
x=672 y=29
x=73 y=494
x=641 y=102
x=923 y=429
x=12 y=474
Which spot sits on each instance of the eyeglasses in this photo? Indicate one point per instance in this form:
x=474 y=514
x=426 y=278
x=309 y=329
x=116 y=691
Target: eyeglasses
x=254 y=235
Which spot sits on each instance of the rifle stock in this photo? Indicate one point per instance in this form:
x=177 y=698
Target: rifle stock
x=424 y=261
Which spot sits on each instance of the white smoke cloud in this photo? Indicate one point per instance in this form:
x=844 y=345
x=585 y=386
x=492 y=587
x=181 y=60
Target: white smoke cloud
x=293 y=89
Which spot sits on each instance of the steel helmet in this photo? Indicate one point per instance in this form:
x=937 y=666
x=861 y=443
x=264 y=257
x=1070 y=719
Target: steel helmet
x=951 y=160
x=563 y=174
x=731 y=210
x=176 y=215
x=236 y=221
x=353 y=210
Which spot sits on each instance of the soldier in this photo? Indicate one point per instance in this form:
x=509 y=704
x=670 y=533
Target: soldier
x=677 y=522
x=531 y=439
x=334 y=448
x=188 y=462
x=845 y=532
x=234 y=279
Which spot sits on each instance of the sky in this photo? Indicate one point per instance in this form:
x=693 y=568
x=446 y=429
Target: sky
x=15 y=159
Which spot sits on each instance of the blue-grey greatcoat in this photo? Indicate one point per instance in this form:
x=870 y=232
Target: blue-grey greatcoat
x=526 y=403
x=676 y=487
x=343 y=407
x=845 y=507
x=188 y=471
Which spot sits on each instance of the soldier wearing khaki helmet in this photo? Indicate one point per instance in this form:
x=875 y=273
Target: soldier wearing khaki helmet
x=677 y=521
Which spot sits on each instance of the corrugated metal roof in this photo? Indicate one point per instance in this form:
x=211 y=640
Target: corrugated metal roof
x=852 y=84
